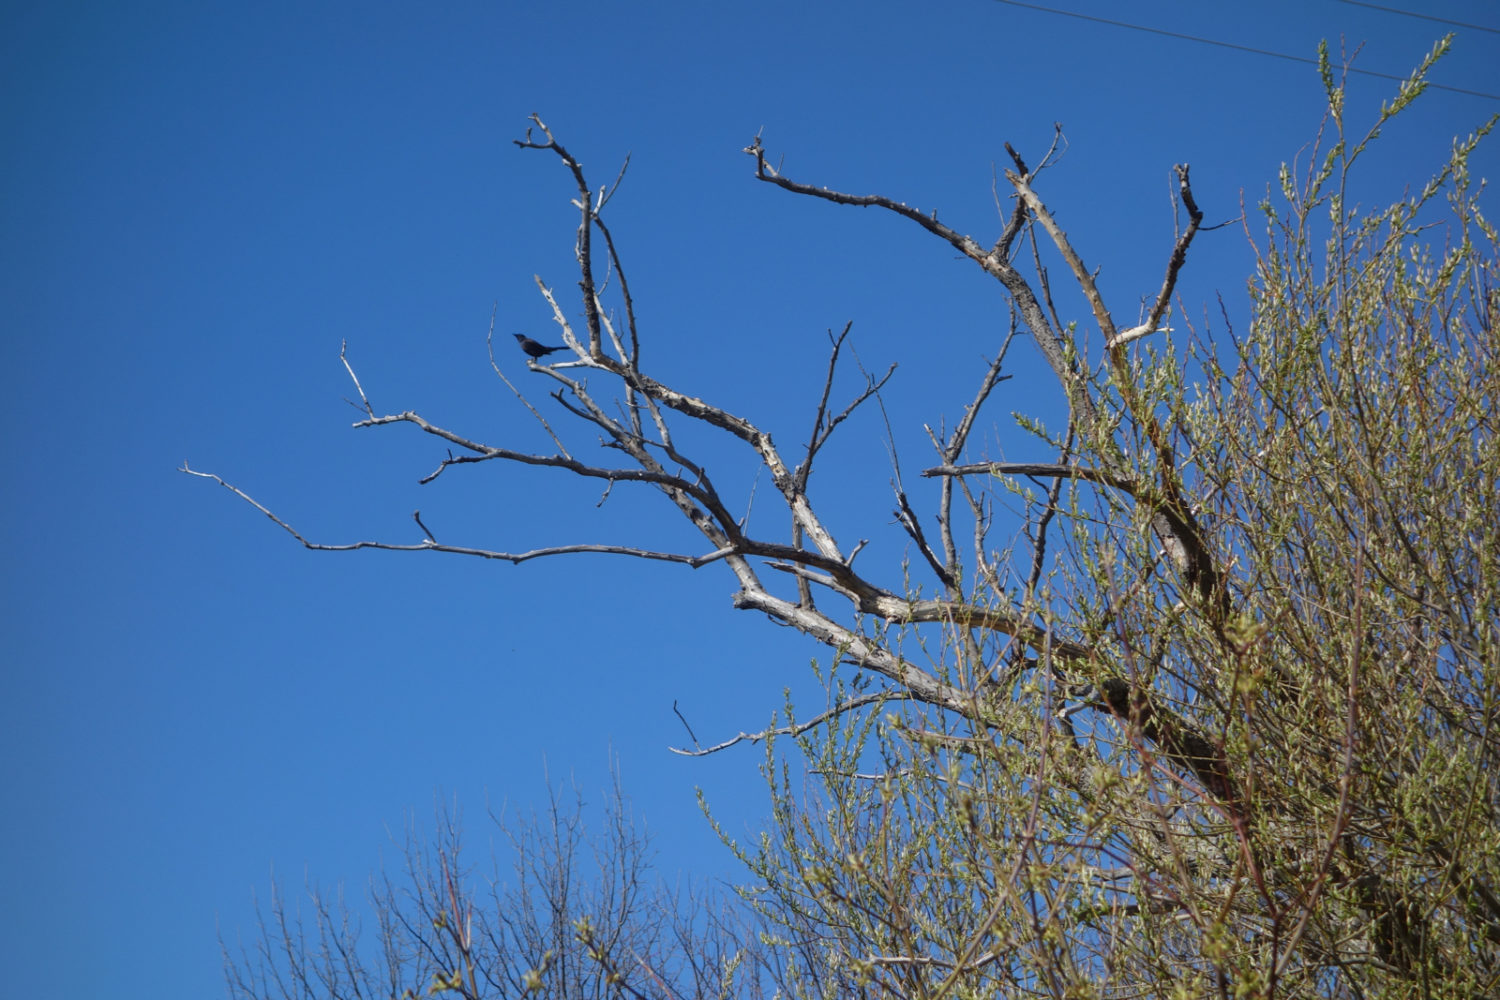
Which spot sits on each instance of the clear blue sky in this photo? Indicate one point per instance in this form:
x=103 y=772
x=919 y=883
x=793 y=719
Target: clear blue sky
x=200 y=201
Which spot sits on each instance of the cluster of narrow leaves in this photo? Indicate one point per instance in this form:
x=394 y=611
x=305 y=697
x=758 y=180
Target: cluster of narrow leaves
x=1280 y=784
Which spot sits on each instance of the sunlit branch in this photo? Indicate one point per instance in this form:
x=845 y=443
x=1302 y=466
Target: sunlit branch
x=432 y=546
x=587 y=210
x=995 y=261
x=1050 y=470
x=842 y=708
x=495 y=366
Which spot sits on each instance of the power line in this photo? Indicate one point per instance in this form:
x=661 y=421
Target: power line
x=1232 y=45
x=1424 y=17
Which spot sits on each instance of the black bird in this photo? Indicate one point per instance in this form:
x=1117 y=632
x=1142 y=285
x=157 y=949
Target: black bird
x=534 y=349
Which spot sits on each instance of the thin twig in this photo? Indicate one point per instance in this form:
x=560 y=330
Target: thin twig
x=344 y=357
x=489 y=342
x=797 y=730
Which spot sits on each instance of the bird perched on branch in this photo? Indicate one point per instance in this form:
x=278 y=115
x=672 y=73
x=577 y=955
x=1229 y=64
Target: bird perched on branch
x=534 y=349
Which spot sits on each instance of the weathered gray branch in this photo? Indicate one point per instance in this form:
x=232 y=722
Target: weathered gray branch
x=995 y=261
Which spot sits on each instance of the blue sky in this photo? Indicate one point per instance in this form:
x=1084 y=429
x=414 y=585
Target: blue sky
x=201 y=201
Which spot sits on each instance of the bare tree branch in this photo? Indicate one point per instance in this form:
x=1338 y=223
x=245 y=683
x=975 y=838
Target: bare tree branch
x=1048 y=470
x=584 y=251
x=996 y=262
x=822 y=718
x=430 y=545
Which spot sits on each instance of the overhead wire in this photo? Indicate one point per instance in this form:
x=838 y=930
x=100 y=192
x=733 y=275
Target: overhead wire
x=1231 y=45
x=1424 y=17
